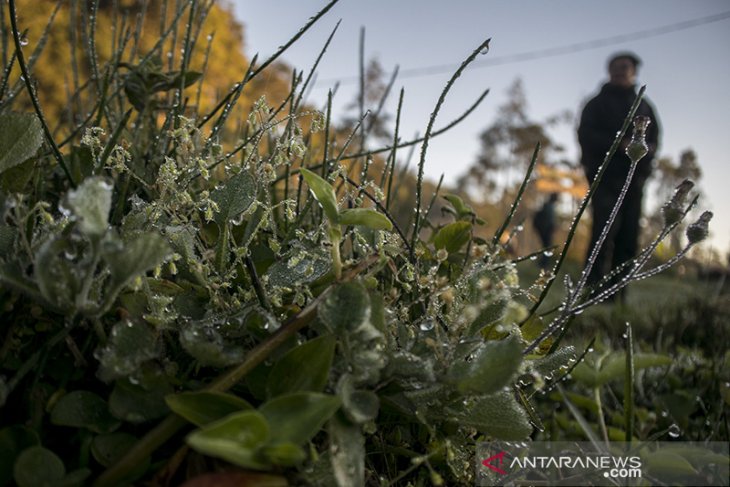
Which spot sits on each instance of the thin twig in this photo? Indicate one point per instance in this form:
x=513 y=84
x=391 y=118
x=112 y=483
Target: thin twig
x=31 y=92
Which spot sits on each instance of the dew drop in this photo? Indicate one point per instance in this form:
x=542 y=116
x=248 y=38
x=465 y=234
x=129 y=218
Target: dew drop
x=427 y=325
x=485 y=49
x=674 y=431
x=24 y=41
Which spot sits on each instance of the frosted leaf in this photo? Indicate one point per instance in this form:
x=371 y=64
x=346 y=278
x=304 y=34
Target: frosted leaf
x=130 y=345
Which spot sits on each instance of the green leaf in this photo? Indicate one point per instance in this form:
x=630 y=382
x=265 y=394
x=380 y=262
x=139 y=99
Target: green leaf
x=347 y=307
x=453 y=236
x=55 y=275
x=188 y=78
x=499 y=416
x=13 y=440
x=15 y=179
x=134 y=404
x=234 y=197
x=209 y=347
x=668 y=463
x=360 y=406
x=81 y=162
x=489 y=368
x=136 y=90
x=347 y=451
x=38 y=467
x=285 y=454
x=304 y=368
x=461 y=208
x=84 y=409
x=131 y=343
x=297 y=417
x=551 y=364
x=201 y=408
x=299 y=267
x=90 y=204
x=7 y=239
x=137 y=256
x=324 y=193
x=366 y=218
x=235 y=438
x=107 y=449
x=615 y=367
x=21 y=135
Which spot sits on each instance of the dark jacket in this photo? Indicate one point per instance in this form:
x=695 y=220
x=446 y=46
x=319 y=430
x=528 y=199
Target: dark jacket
x=602 y=118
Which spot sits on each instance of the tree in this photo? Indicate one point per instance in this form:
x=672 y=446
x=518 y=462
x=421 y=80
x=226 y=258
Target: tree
x=61 y=40
x=507 y=146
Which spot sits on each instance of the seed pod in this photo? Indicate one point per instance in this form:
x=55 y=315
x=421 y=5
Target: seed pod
x=699 y=230
x=637 y=148
x=674 y=208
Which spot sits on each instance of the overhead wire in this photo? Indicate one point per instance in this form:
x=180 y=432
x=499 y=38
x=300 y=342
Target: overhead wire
x=551 y=51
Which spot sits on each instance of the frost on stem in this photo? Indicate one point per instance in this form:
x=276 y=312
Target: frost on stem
x=637 y=148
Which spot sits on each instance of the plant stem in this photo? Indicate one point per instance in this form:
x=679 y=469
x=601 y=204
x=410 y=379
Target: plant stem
x=31 y=92
x=426 y=139
x=601 y=419
x=518 y=198
x=584 y=204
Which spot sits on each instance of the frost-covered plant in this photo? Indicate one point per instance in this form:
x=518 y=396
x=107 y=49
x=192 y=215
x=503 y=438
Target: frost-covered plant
x=251 y=293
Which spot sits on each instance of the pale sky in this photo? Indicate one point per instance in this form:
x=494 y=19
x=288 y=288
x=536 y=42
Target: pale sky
x=687 y=71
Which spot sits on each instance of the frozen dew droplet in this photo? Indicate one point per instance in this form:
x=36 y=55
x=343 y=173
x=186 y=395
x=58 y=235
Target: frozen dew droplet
x=548 y=253
x=24 y=41
x=485 y=49
x=427 y=325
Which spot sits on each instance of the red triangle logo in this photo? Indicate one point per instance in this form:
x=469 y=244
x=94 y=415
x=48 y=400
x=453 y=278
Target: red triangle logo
x=499 y=457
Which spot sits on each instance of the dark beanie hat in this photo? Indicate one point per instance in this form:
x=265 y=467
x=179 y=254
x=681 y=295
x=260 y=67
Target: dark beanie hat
x=625 y=55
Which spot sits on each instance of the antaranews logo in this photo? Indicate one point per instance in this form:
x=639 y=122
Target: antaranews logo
x=611 y=466
x=500 y=463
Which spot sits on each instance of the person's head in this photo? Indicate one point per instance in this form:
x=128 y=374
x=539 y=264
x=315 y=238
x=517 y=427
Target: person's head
x=622 y=69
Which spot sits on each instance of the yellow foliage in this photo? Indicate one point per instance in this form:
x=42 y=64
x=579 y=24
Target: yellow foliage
x=64 y=63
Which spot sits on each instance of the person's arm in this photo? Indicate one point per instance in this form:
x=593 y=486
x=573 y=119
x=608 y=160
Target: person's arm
x=653 y=133
x=592 y=134
x=592 y=138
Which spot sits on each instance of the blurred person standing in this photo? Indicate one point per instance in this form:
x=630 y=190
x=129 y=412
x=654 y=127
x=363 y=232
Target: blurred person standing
x=600 y=121
x=544 y=222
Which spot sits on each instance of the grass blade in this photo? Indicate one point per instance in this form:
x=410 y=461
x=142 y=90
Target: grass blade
x=427 y=137
x=629 y=384
x=518 y=198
